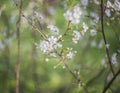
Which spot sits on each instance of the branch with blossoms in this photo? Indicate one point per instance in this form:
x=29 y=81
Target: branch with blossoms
x=17 y=67
x=104 y=38
x=111 y=81
x=52 y=43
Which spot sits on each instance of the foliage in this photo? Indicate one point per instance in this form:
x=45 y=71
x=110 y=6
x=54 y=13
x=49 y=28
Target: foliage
x=63 y=48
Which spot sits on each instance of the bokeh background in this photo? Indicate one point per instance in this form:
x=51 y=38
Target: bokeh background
x=39 y=76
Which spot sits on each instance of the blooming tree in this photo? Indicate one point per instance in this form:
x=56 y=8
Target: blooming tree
x=80 y=21
x=81 y=36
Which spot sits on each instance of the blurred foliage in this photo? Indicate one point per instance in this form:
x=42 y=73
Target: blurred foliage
x=38 y=76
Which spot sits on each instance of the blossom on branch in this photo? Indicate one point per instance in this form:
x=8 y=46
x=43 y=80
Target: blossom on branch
x=76 y=36
x=49 y=45
x=73 y=15
x=53 y=29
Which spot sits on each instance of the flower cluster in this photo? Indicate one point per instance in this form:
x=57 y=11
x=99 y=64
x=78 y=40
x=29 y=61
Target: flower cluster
x=114 y=59
x=76 y=36
x=93 y=32
x=73 y=15
x=49 y=45
x=53 y=43
x=38 y=15
x=116 y=5
x=95 y=18
x=110 y=7
x=70 y=54
x=53 y=29
x=85 y=28
x=97 y=2
x=107 y=12
x=84 y=2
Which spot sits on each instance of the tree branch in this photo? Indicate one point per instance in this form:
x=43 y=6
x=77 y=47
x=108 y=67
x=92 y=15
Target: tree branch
x=111 y=81
x=76 y=77
x=18 y=38
x=104 y=37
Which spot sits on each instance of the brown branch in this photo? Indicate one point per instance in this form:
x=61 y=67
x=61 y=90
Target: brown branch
x=35 y=27
x=68 y=28
x=104 y=37
x=65 y=33
x=18 y=55
x=73 y=74
x=111 y=81
x=76 y=77
x=106 y=78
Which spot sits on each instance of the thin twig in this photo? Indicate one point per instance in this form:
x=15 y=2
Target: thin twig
x=104 y=37
x=73 y=74
x=106 y=79
x=36 y=29
x=68 y=28
x=111 y=81
x=18 y=55
x=76 y=77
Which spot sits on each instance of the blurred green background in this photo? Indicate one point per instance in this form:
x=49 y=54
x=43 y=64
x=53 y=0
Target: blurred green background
x=38 y=76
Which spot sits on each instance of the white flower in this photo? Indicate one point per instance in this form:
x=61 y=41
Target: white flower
x=93 y=32
x=97 y=2
x=73 y=15
x=114 y=59
x=47 y=46
x=59 y=44
x=116 y=5
x=109 y=4
x=38 y=16
x=44 y=45
x=70 y=55
x=84 y=2
x=75 y=21
x=85 y=28
x=76 y=37
x=107 y=12
x=68 y=15
x=59 y=37
x=53 y=29
x=76 y=15
x=95 y=17
x=77 y=10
